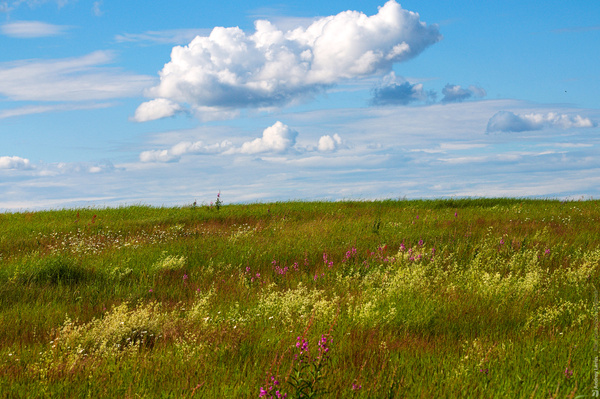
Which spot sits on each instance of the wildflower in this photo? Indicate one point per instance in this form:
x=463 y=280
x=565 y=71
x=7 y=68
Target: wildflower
x=568 y=373
x=420 y=243
x=484 y=371
x=455 y=214
x=150 y=290
x=547 y=251
x=323 y=348
x=302 y=345
x=356 y=387
x=185 y=277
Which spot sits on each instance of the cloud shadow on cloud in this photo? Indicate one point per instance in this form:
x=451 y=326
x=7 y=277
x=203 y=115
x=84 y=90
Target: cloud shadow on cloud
x=456 y=93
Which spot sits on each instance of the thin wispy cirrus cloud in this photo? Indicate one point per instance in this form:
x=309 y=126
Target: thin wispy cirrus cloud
x=67 y=84
x=71 y=79
x=170 y=36
x=32 y=29
x=8 y=6
x=40 y=109
x=506 y=121
x=230 y=69
x=97 y=9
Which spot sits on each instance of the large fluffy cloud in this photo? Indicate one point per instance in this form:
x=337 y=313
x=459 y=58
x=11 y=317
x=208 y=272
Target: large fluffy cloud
x=272 y=67
x=505 y=121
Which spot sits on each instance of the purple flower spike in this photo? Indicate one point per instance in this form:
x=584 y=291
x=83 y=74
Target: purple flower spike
x=568 y=373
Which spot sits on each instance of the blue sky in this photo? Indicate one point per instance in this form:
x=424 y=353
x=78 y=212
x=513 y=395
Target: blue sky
x=106 y=103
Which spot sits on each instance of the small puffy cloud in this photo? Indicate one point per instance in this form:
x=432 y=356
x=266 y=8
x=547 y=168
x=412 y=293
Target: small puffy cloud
x=156 y=109
x=157 y=156
x=505 y=121
x=14 y=163
x=31 y=29
x=397 y=91
x=328 y=143
x=456 y=93
x=277 y=138
x=273 y=67
x=185 y=147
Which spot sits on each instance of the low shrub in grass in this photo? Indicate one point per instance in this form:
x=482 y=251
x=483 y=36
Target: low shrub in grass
x=57 y=269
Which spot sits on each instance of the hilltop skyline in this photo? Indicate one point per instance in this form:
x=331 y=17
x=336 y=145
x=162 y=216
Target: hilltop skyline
x=106 y=103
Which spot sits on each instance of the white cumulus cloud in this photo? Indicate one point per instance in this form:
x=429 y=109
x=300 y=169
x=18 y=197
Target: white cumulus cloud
x=277 y=138
x=272 y=67
x=156 y=109
x=328 y=143
x=14 y=162
x=505 y=121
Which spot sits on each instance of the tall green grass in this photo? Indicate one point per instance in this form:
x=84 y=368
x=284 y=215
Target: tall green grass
x=442 y=298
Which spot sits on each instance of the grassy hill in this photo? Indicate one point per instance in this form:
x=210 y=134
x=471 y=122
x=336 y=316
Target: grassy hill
x=444 y=298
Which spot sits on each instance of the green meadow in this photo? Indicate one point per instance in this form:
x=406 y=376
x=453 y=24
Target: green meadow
x=469 y=298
